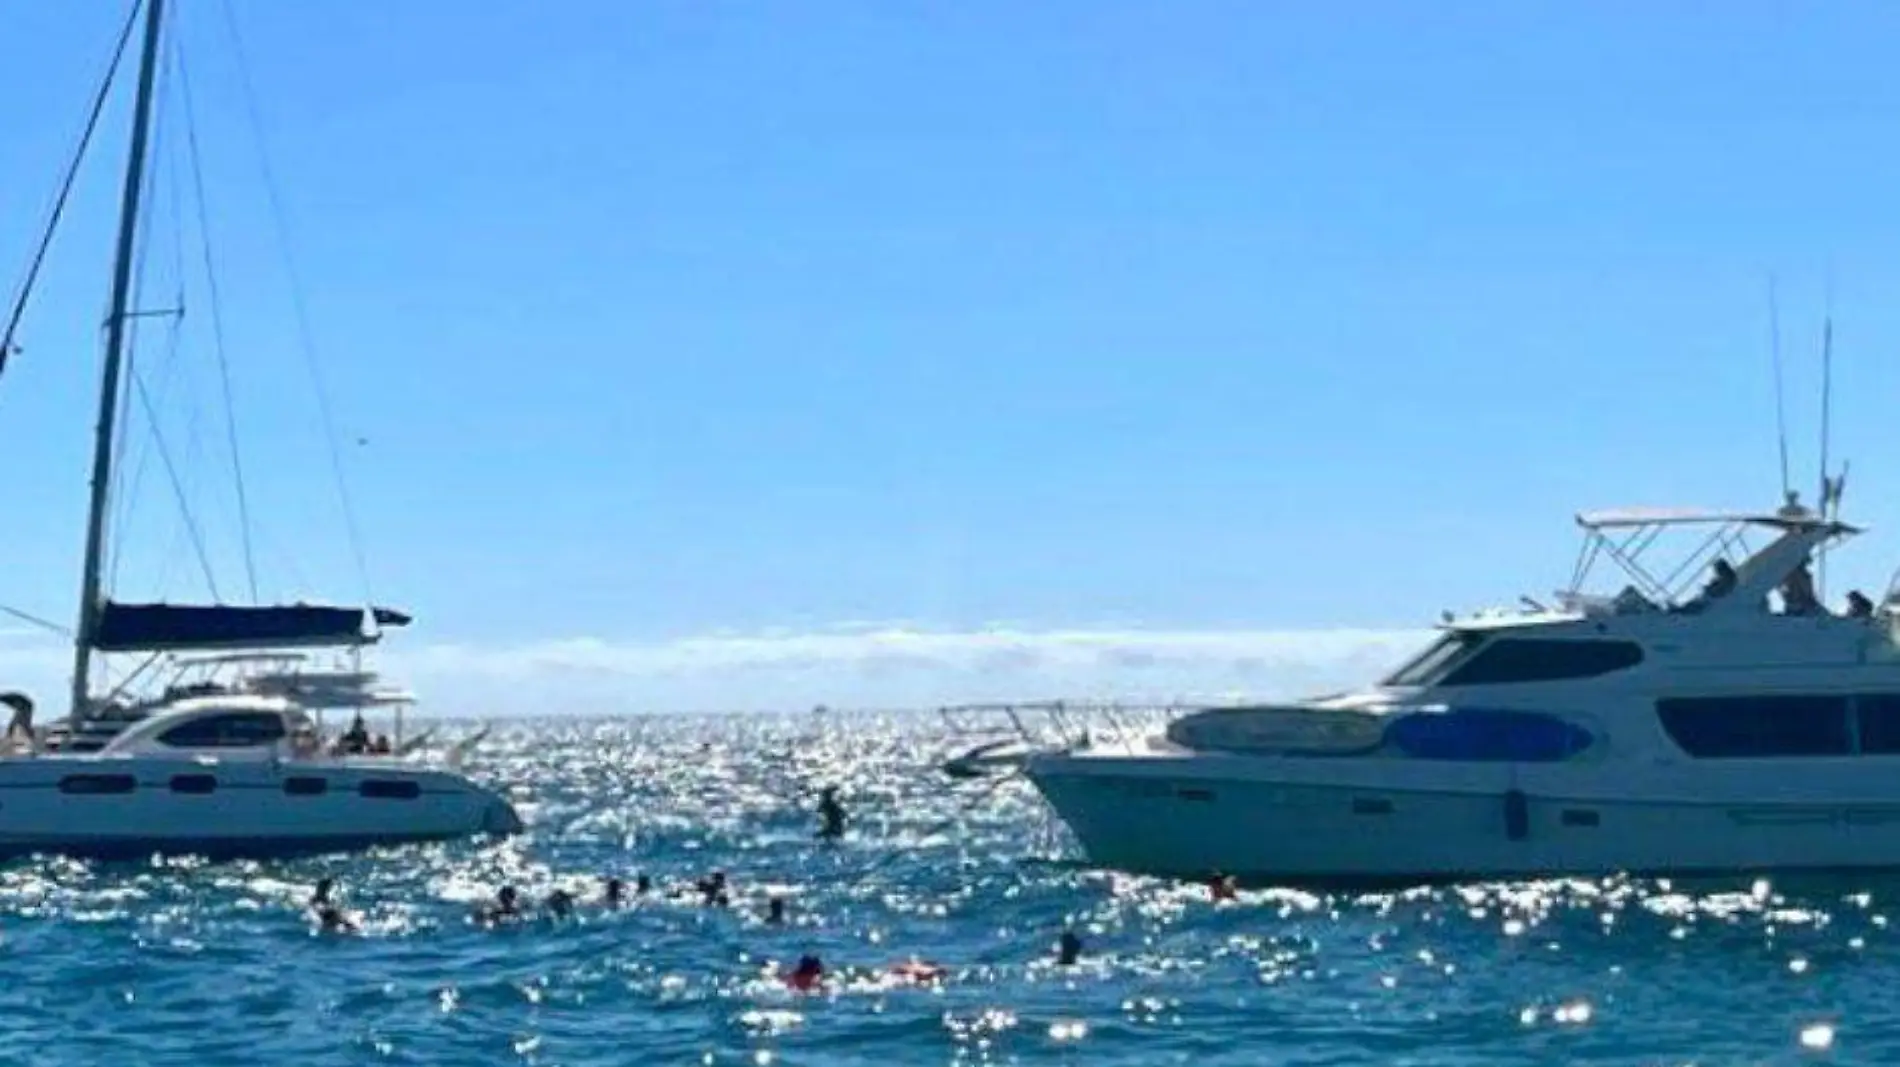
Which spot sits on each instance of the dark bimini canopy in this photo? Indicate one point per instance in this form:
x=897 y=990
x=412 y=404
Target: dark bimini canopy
x=168 y=627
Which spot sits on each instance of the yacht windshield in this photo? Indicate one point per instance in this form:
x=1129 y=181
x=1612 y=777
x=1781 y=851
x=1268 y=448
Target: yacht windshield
x=1432 y=664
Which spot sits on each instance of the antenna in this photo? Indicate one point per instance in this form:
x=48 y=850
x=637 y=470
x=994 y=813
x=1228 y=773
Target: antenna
x=1827 y=381
x=1781 y=410
x=1830 y=489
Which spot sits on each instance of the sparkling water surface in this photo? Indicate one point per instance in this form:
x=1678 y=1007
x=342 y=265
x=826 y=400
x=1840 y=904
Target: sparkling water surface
x=217 y=964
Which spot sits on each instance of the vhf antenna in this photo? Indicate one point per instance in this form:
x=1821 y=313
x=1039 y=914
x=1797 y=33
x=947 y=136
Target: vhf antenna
x=1781 y=408
x=1830 y=487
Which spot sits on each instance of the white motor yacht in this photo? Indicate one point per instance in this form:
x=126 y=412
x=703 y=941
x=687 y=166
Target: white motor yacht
x=231 y=776
x=1743 y=729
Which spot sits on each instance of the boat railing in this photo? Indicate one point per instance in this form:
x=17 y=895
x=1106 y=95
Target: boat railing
x=1064 y=724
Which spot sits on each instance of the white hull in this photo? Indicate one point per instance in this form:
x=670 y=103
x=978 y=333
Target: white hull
x=186 y=805
x=1321 y=820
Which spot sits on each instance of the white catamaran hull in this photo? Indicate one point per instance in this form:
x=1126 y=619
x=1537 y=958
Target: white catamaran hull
x=1303 y=820
x=131 y=808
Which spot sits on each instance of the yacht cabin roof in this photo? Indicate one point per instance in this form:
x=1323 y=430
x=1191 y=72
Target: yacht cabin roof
x=1796 y=518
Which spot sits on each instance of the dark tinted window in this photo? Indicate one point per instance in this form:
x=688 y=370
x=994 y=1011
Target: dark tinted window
x=1879 y=723
x=388 y=789
x=306 y=787
x=1518 y=659
x=194 y=783
x=97 y=783
x=1739 y=727
x=241 y=729
x=1487 y=734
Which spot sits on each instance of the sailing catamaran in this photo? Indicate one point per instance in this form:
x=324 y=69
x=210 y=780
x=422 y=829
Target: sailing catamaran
x=230 y=773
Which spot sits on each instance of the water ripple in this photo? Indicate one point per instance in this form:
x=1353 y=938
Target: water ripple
x=192 y=963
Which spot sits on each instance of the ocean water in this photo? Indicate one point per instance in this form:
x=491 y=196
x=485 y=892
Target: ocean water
x=214 y=965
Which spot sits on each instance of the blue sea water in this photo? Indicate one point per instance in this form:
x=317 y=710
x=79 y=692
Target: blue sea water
x=216 y=964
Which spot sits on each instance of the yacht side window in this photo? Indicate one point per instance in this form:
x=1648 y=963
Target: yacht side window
x=1430 y=665
x=1753 y=727
x=1879 y=723
x=245 y=729
x=1517 y=659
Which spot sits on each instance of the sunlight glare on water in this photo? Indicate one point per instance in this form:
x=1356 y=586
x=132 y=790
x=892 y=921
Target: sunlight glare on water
x=192 y=963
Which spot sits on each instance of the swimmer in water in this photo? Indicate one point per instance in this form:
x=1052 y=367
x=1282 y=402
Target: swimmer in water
x=1069 y=949
x=615 y=894
x=916 y=972
x=1221 y=887
x=330 y=918
x=830 y=815
x=807 y=975
x=642 y=884
x=507 y=905
x=712 y=890
x=775 y=911
x=560 y=904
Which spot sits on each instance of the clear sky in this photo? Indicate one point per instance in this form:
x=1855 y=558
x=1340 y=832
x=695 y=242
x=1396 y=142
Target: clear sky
x=1166 y=332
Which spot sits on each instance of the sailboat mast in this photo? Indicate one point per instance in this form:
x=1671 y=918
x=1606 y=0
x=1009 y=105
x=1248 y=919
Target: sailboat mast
x=116 y=319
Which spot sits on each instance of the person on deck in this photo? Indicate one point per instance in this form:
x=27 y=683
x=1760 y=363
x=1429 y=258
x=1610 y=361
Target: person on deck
x=1858 y=606
x=20 y=727
x=1721 y=583
x=356 y=739
x=1797 y=592
x=1721 y=580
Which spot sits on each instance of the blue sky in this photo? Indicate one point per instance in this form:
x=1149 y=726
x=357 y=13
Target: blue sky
x=1200 y=323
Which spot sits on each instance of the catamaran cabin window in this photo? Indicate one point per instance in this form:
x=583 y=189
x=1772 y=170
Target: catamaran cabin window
x=1757 y=726
x=1429 y=666
x=1518 y=659
x=389 y=789
x=95 y=784
x=243 y=729
x=195 y=784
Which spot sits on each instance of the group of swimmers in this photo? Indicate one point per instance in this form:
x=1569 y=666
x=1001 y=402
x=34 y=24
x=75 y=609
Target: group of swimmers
x=713 y=890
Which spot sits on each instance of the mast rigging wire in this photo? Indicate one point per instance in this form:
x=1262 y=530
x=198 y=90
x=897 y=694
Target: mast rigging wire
x=305 y=335
x=217 y=323
x=66 y=188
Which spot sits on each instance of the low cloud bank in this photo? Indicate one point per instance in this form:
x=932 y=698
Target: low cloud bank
x=859 y=666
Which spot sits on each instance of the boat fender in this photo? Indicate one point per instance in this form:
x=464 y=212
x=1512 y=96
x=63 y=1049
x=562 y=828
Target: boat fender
x=1517 y=815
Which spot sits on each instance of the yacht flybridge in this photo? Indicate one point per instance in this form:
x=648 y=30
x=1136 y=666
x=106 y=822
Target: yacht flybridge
x=206 y=767
x=1741 y=728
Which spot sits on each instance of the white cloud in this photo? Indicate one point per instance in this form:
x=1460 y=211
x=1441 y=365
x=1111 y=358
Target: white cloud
x=899 y=665
x=857 y=665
